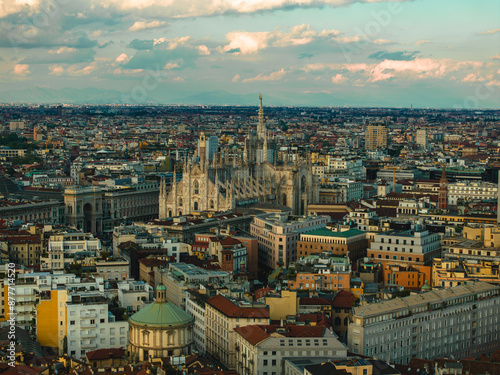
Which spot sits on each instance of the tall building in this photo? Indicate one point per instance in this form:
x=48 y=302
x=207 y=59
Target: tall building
x=460 y=321
x=240 y=178
x=376 y=137
x=443 y=191
x=422 y=138
x=278 y=236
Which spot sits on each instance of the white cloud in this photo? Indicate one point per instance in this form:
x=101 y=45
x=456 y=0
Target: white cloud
x=56 y=70
x=489 y=32
x=203 y=50
x=274 y=76
x=381 y=41
x=63 y=50
x=172 y=43
x=22 y=69
x=142 y=25
x=246 y=42
x=338 y=78
x=123 y=58
x=170 y=65
x=348 y=39
x=236 y=78
x=496 y=57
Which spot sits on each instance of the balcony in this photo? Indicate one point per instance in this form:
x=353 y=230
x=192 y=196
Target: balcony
x=88 y=325
x=88 y=335
x=89 y=345
x=87 y=314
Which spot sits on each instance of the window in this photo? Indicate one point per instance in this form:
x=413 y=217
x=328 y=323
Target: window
x=274 y=362
x=72 y=323
x=265 y=362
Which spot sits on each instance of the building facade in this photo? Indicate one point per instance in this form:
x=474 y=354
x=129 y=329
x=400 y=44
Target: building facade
x=461 y=321
x=278 y=236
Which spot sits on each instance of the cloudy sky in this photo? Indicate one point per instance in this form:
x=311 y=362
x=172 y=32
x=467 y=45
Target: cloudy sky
x=425 y=53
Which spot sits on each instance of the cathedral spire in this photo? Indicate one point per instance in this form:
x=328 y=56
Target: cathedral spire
x=261 y=128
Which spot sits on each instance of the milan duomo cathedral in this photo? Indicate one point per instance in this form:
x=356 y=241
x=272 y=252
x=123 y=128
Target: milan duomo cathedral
x=236 y=177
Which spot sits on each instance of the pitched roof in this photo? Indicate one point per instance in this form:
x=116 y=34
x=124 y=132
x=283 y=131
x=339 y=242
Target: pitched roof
x=256 y=333
x=232 y=310
x=105 y=354
x=344 y=300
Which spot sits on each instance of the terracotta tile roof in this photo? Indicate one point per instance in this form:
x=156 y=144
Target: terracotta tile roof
x=232 y=310
x=257 y=333
x=105 y=354
x=344 y=300
x=229 y=241
x=151 y=262
x=309 y=301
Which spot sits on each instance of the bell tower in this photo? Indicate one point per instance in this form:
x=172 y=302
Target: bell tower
x=443 y=191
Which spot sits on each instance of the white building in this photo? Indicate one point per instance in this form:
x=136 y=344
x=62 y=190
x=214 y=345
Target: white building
x=91 y=326
x=345 y=166
x=195 y=306
x=470 y=191
x=462 y=321
x=261 y=349
x=67 y=248
x=132 y=295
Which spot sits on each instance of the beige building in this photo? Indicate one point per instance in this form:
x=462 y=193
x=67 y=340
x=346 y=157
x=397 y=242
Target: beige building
x=461 y=321
x=375 y=137
x=278 y=235
x=222 y=318
x=282 y=305
x=113 y=270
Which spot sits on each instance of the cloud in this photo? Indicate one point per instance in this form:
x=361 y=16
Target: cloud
x=496 y=57
x=398 y=55
x=381 y=41
x=171 y=65
x=22 y=70
x=274 y=76
x=123 y=58
x=489 y=32
x=246 y=42
x=203 y=50
x=56 y=70
x=141 y=25
x=236 y=78
x=423 y=41
x=338 y=78
x=141 y=45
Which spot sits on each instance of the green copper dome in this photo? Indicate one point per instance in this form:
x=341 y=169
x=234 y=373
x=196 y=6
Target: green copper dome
x=161 y=314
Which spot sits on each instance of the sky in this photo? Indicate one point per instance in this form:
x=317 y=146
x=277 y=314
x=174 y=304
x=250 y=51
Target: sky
x=425 y=53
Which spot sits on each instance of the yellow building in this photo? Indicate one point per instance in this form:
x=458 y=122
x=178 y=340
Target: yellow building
x=316 y=158
x=281 y=306
x=453 y=272
x=51 y=319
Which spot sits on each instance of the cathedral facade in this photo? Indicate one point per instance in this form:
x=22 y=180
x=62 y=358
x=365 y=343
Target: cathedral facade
x=236 y=177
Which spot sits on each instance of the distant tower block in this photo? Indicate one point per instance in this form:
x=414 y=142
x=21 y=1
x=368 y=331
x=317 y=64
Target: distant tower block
x=443 y=191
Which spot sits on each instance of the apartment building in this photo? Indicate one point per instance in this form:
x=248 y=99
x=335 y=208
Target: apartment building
x=262 y=349
x=408 y=276
x=23 y=249
x=46 y=212
x=461 y=321
x=70 y=247
x=278 y=235
x=132 y=295
x=195 y=306
x=375 y=137
x=91 y=326
x=340 y=243
x=113 y=269
x=470 y=191
x=416 y=246
x=449 y=272
x=223 y=316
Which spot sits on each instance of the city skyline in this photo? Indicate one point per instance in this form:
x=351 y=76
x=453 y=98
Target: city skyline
x=308 y=52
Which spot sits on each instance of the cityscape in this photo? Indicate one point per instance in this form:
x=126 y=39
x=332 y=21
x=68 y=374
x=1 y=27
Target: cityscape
x=249 y=187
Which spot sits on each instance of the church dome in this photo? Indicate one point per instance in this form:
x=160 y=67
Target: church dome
x=161 y=314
